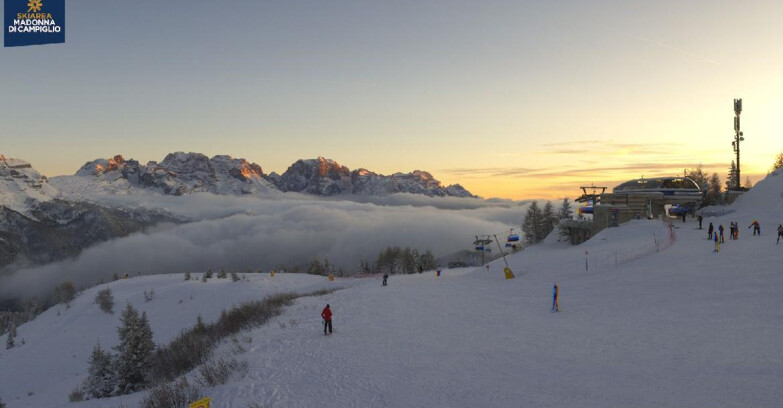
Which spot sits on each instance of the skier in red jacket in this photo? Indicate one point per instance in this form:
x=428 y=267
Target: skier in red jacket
x=327 y=316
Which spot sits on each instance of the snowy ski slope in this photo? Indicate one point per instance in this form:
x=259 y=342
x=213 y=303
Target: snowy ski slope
x=684 y=327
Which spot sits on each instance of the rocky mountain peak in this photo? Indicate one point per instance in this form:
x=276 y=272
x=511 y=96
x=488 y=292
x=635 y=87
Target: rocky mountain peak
x=22 y=188
x=323 y=176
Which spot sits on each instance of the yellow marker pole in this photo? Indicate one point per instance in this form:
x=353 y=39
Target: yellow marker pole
x=202 y=403
x=506 y=270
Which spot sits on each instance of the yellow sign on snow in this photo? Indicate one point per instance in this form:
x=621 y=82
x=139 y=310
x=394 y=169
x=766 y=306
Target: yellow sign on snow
x=202 y=403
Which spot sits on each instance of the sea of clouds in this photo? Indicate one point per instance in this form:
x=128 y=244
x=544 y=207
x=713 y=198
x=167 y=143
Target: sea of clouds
x=241 y=233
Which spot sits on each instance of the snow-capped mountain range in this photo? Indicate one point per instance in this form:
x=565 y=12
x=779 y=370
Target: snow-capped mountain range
x=180 y=173
x=21 y=185
x=44 y=220
x=185 y=173
x=326 y=177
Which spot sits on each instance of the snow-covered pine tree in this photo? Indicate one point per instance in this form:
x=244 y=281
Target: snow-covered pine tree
x=731 y=179
x=101 y=380
x=530 y=226
x=9 y=341
x=715 y=191
x=549 y=219
x=565 y=213
x=135 y=351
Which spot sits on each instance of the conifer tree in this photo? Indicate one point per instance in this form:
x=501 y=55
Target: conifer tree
x=549 y=219
x=135 y=350
x=778 y=162
x=698 y=176
x=531 y=224
x=715 y=189
x=9 y=341
x=102 y=379
x=565 y=212
x=731 y=179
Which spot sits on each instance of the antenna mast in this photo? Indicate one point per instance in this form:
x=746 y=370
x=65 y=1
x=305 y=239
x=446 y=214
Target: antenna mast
x=737 y=139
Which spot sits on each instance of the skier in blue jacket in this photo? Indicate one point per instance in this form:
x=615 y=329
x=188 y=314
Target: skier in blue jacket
x=555 y=295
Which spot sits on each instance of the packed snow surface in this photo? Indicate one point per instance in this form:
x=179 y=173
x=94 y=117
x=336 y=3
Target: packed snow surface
x=680 y=327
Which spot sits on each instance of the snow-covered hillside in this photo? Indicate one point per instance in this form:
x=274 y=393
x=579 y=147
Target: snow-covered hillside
x=683 y=327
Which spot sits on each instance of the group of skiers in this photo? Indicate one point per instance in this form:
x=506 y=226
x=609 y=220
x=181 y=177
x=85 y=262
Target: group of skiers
x=717 y=236
x=734 y=230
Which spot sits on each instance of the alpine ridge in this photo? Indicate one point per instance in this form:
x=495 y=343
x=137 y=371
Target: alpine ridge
x=185 y=173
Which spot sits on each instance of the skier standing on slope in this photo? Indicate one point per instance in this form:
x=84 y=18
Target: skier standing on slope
x=555 y=295
x=720 y=231
x=699 y=218
x=327 y=316
x=717 y=244
x=709 y=231
x=385 y=278
x=780 y=233
x=756 y=227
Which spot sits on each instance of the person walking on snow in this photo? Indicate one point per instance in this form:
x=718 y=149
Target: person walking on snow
x=709 y=231
x=327 y=316
x=699 y=218
x=756 y=227
x=385 y=278
x=555 y=295
x=720 y=231
x=780 y=233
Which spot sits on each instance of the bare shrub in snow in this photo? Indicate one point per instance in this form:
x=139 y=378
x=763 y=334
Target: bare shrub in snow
x=171 y=395
x=219 y=371
x=76 y=395
x=186 y=351
x=105 y=300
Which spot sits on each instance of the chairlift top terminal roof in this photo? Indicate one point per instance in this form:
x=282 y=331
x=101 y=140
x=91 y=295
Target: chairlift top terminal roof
x=666 y=185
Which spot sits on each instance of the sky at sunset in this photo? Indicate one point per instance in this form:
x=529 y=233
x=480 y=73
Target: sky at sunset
x=513 y=99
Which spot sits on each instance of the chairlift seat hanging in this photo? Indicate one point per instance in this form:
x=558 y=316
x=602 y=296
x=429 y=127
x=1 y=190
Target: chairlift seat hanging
x=479 y=248
x=513 y=238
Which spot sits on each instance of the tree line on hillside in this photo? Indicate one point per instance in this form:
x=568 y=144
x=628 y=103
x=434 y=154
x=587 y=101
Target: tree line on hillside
x=539 y=222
